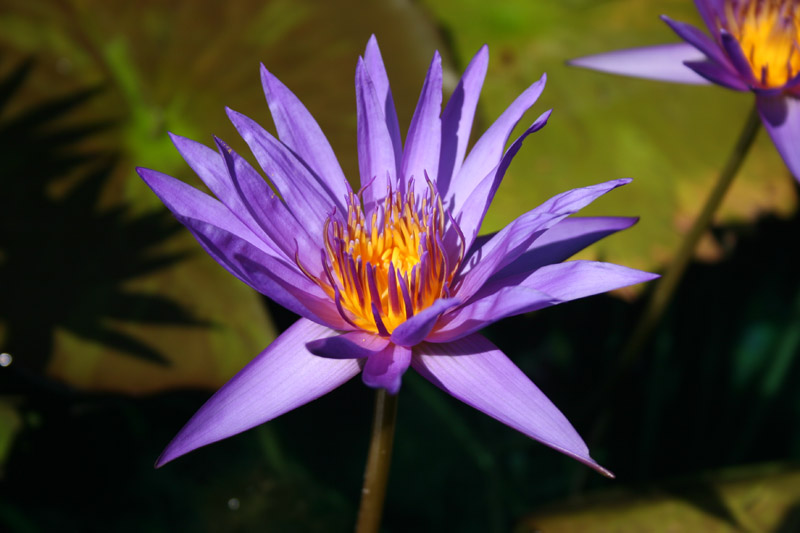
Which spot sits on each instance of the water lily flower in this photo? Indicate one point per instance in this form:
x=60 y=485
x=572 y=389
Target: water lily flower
x=393 y=275
x=754 y=45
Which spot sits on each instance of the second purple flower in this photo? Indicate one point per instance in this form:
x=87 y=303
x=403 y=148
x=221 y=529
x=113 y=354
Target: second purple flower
x=752 y=45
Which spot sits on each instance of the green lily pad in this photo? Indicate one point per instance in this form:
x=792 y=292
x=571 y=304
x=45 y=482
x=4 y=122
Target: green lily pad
x=174 y=67
x=762 y=498
x=672 y=139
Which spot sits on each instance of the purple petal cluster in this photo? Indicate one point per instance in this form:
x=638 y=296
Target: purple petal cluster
x=751 y=45
x=394 y=275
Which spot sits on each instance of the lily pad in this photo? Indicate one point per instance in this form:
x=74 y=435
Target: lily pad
x=174 y=67
x=671 y=139
x=763 y=498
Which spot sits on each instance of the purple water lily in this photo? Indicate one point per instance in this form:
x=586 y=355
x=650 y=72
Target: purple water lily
x=754 y=46
x=394 y=275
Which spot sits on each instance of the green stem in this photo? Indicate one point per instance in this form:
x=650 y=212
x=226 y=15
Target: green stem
x=662 y=295
x=376 y=474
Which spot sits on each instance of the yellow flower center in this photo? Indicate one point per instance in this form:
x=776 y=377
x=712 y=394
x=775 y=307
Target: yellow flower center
x=768 y=32
x=382 y=271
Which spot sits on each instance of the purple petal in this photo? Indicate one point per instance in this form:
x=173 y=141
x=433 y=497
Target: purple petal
x=421 y=154
x=298 y=130
x=474 y=371
x=281 y=282
x=457 y=119
x=385 y=369
x=549 y=285
x=737 y=58
x=376 y=159
x=469 y=216
x=781 y=118
x=271 y=276
x=281 y=378
x=698 y=39
x=513 y=240
x=709 y=10
x=508 y=301
x=187 y=202
x=377 y=73
x=351 y=345
x=564 y=240
x=304 y=195
x=269 y=212
x=661 y=62
x=719 y=75
x=415 y=329
x=240 y=251
x=488 y=151
x=210 y=167
x=576 y=279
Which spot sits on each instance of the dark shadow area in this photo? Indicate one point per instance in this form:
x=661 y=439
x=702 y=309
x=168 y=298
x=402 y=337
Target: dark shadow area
x=715 y=390
x=705 y=497
x=63 y=258
x=790 y=522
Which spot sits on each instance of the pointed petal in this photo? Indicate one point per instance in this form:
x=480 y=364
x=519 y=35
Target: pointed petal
x=474 y=371
x=283 y=377
x=514 y=239
x=579 y=279
x=709 y=10
x=269 y=275
x=506 y=293
x=507 y=301
x=376 y=159
x=385 y=369
x=231 y=244
x=714 y=73
x=377 y=73
x=350 y=345
x=457 y=120
x=488 y=151
x=470 y=214
x=781 y=118
x=282 y=283
x=415 y=329
x=661 y=62
x=262 y=205
x=698 y=39
x=737 y=58
x=421 y=154
x=305 y=197
x=298 y=130
x=549 y=285
x=210 y=168
x=562 y=241
x=187 y=202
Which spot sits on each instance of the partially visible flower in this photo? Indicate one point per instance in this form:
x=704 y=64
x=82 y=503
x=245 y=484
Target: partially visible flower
x=394 y=275
x=754 y=46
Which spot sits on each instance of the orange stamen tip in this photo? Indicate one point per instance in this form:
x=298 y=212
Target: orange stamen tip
x=389 y=269
x=768 y=32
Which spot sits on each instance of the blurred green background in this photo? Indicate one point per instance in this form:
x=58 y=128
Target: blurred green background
x=120 y=327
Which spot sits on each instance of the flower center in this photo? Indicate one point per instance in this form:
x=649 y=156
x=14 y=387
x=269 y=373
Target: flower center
x=382 y=270
x=768 y=32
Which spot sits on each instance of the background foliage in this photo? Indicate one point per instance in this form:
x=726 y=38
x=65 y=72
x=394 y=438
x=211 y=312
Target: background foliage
x=120 y=327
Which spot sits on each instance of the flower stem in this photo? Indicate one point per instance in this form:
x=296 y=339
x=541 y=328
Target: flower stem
x=662 y=295
x=376 y=474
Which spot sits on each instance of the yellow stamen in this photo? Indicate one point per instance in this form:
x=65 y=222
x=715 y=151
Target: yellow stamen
x=768 y=32
x=400 y=235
